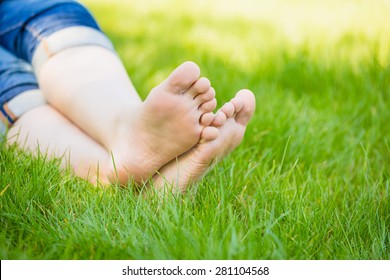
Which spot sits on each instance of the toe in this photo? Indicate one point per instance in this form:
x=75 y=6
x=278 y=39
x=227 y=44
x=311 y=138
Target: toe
x=199 y=87
x=182 y=78
x=208 y=106
x=245 y=105
x=228 y=109
x=209 y=133
x=206 y=119
x=238 y=103
x=219 y=119
x=205 y=97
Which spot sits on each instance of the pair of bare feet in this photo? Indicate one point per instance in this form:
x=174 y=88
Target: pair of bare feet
x=174 y=136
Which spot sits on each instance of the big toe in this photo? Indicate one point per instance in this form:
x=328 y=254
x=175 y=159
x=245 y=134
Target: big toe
x=183 y=77
x=244 y=104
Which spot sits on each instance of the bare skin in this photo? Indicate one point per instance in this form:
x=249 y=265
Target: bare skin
x=216 y=142
x=140 y=137
x=97 y=123
x=167 y=124
x=43 y=130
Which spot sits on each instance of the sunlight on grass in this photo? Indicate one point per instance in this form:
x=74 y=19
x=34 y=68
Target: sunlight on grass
x=244 y=32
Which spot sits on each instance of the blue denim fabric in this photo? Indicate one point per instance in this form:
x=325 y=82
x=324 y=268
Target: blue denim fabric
x=23 y=24
x=16 y=76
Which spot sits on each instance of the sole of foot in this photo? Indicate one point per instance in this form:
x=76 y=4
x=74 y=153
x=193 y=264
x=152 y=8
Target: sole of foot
x=217 y=140
x=167 y=124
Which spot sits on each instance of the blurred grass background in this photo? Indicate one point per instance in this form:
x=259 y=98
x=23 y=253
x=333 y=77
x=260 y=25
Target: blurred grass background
x=311 y=178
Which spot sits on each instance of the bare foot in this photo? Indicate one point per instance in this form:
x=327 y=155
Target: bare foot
x=217 y=140
x=166 y=125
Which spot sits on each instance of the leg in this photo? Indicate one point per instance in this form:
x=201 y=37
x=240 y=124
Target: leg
x=216 y=142
x=16 y=77
x=37 y=127
x=89 y=85
x=44 y=130
x=142 y=136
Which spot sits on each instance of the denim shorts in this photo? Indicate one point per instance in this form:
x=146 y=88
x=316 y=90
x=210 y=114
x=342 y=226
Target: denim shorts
x=31 y=31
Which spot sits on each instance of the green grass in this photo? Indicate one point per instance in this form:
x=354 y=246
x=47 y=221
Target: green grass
x=311 y=179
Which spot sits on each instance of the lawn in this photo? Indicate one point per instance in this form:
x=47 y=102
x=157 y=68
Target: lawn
x=311 y=179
